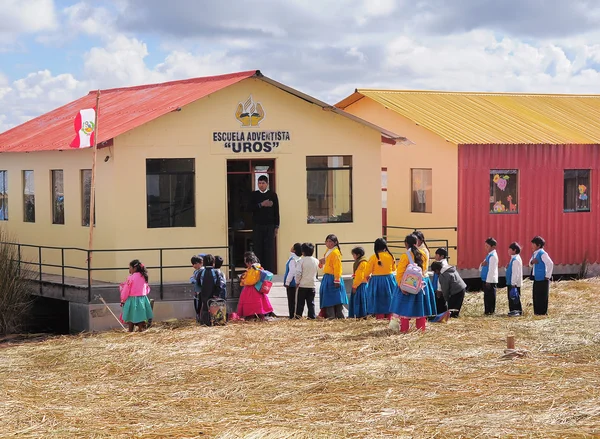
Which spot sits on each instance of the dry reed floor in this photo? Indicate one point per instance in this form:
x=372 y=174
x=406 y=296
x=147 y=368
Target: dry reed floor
x=319 y=379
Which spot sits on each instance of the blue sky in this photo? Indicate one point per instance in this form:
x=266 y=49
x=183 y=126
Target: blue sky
x=54 y=51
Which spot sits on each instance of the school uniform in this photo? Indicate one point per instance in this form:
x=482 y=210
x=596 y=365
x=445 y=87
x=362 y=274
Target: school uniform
x=489 y=276
x=440 y=303
x=541 y=272
x=382 y=283
x=453 y=289
x=359 y=299
x=514 y=279
x=289 y=281
x=430 y=290
x=307 y=269
x=332 y=295
x=408 y=306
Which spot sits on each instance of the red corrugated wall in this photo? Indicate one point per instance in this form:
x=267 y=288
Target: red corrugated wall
x=568 y=235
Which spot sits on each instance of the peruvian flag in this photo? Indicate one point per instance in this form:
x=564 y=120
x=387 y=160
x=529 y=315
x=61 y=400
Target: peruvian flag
x=84 y=128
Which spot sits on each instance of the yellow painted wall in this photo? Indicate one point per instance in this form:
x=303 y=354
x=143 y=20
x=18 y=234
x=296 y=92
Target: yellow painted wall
x=72 y=233
x=429 y=151
x=121 y=184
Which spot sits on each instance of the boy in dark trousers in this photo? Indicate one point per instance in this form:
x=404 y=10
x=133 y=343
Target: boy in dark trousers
x=452 y=286
x=306 y=279
x=489 y=276
x=441 y=255
x=289 y=278
x=541 y=272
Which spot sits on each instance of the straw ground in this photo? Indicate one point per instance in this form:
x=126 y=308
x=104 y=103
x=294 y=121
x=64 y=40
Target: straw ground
x=302 y=379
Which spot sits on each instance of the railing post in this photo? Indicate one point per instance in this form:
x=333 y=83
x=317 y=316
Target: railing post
x=19 y=257
x=40 y=269
x=62 y=257
x=161 y=272
x=89 y=275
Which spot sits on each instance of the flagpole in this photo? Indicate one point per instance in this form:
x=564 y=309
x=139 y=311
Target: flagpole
x=93 y=188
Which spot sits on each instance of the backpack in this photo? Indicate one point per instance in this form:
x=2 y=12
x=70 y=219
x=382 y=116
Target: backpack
x=211 y=286
x=412 y=280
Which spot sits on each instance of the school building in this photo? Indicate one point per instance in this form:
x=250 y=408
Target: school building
x=176 y=165
x=506 y=165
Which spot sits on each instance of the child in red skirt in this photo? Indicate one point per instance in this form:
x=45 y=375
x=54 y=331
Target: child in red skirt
x=252 y=302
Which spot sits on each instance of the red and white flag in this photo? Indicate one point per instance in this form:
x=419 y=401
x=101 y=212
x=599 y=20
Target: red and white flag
x=84 y=128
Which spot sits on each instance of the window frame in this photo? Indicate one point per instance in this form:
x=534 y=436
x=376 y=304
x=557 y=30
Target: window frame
x=412 y=191
x=4 y=195
x=343 y=168
x=53 y=173
x=24 y=178
x=171 y=173
x=506 y=171
x=588 y=189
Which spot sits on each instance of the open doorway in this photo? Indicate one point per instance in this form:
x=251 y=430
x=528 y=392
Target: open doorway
x=242 y=180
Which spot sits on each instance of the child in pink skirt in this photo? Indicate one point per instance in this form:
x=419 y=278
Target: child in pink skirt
x=252 y=302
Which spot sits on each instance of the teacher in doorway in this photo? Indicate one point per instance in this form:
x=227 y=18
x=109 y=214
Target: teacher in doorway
x=265 y=207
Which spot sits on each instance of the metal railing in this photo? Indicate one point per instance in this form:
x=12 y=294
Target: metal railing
x=445 y=242
x=88 y=269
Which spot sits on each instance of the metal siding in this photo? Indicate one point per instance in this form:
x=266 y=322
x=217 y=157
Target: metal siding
x=121 y=110
x=496 y=118
x=568 y=235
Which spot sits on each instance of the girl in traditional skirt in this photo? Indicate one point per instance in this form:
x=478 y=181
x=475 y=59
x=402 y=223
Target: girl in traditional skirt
x=252 y=302
x=332 y=294
x=137 y=309
x=382 y=283
x=430 y=291
x=358 y=306
x=407 y=305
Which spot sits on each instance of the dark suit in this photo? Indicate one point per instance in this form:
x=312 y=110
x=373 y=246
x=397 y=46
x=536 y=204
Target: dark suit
x=266 y=220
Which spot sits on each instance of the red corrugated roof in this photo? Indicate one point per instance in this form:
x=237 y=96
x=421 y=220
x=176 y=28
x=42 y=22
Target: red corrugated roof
x=121 y=109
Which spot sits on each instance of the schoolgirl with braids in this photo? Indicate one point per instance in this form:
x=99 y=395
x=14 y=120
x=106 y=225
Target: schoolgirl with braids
x=332 y=294
x=382 y=283
x=407 y=306
x=134 y=297
x=422 y=245
x=252 y=304
x=359 y=299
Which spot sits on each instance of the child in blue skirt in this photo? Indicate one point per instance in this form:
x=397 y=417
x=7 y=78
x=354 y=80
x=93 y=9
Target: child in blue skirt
x=382 y=283
x=332 y=294
x=407 y=305
x=358 y=306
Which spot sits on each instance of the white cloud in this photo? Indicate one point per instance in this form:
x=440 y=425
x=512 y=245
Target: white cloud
x=27 y=16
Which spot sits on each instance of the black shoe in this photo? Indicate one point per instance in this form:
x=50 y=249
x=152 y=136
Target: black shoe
x=514 y=313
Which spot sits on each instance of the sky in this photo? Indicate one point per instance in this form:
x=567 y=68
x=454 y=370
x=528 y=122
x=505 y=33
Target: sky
x=55 y=51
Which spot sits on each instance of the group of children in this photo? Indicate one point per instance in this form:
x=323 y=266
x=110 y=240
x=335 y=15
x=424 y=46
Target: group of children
x=541 y=273
x=382 y=285
x=377 y=287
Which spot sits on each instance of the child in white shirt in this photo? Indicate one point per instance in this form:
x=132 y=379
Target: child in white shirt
x=489 y=276
x=306 y=280
x=514 y=280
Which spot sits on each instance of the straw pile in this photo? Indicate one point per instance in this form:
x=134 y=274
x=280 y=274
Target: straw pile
x=321 y=379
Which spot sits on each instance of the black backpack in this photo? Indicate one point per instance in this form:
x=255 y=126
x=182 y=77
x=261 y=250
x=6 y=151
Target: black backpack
x=210 y=284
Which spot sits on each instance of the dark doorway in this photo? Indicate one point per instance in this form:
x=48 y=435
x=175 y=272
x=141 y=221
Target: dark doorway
x=242 y=178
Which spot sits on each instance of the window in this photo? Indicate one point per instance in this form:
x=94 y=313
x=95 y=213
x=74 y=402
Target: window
x=170 y=193
x=3 y=196
x=577 y=190
x=421 y=199
x=58 y=198
x=86 y=197
x=28 y=197
x=329 y=189
x=504 y=191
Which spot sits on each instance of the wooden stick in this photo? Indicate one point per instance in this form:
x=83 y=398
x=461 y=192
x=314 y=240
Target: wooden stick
x=107 y=307
x=510 y=341
x=93 y=187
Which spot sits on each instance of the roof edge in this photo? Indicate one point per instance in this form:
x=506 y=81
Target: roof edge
x=471 y=93
x=385 y=133
x=244 y=75
x=352 y=99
